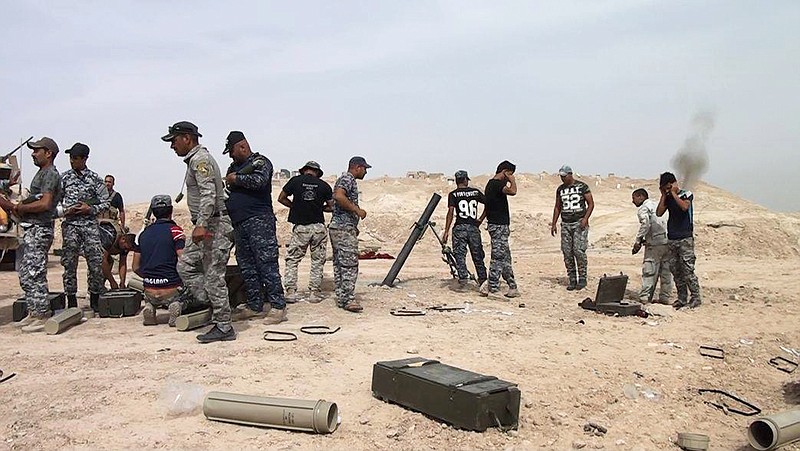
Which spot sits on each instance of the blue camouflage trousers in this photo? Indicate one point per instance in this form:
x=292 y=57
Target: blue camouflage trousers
x=468 y=236
x=202 y=268
x=82 y=238
x=500 y=264
x=344 y=242
x=681 y=263
x=257 y=255
x=32 y=267
x=574 y=241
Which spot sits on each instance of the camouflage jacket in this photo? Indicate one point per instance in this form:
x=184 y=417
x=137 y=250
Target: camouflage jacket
x=85 y=187
x=205 y=193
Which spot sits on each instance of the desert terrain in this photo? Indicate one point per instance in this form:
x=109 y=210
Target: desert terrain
x=99 y=385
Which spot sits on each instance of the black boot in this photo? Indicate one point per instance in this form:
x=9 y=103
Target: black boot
x=72 y=301
x=93 y=301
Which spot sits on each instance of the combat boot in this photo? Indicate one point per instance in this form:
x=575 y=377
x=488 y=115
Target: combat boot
x=25 y=321
x=149 y=315
x=315 y=297
x=37 y=325
x=581 y=284
x=484 y=289
x=275 y=316
x=244 y=313
x=175 y=310
x=216 y=334
x=291 y=295
x=573 y=285
x=72 y=300
x=512 y=293
x=94 y=300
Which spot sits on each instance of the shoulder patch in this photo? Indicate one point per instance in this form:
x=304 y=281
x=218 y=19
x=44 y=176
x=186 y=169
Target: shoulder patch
x=259 y=161
x=202 y=168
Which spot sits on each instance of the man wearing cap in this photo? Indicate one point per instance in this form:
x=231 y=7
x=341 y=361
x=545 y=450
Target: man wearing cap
x=310 y=197
x=203 y=262
x=462 y=203
x=344 y=233
x=680 y=233
x=36 y=215
x=498 y=188
x=249 y=180
x=574 y=203
x=155 y=260
x=85 y=196
x=652 y=235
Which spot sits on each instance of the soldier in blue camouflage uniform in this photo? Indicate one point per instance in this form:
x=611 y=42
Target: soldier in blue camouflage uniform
x=36 y=215
x=204 y=260
x=344 y=233
x=249 y=180
x=85 y=196
x=680 y=232
x=574 y=204
x=462 y=203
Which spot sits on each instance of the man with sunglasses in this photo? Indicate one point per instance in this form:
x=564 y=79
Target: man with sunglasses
x=203 y=262
x=85 y=196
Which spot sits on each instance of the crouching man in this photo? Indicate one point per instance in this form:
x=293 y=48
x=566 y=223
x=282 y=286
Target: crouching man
x=155 y=260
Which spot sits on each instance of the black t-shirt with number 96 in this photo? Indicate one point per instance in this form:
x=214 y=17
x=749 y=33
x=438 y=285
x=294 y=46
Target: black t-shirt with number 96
x=465 y=201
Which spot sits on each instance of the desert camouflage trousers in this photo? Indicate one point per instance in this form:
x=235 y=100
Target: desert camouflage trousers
x=32 y=268
x=344 y=242
x=574 y=241
x=202 y=268
x=655 y=269
x=468 y=236
x=306 y=236
x=681 y=263
x=82 y=239
x=500 y=264
x=257 y=255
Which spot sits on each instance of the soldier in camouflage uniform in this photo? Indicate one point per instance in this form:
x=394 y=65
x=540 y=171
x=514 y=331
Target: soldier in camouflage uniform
x=574 y=203
x=310 y=197
x=85 y=196
x=498 y=188
x=462 y=203
x=344 y=233
x=36 y=214
x=680 y=232
x=203 y=262
x=249 y=180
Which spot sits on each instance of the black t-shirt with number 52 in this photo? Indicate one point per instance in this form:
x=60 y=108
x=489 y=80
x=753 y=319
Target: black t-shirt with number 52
x=573 y=202
x=465 y=201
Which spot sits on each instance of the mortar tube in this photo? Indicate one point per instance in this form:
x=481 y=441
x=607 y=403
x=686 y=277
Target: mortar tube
x=194 y=320
x=416 y=233
x=318 y=416
x=63 y=321
x=774 y=431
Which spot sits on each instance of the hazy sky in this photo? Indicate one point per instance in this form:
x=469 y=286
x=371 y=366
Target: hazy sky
x=606 y=86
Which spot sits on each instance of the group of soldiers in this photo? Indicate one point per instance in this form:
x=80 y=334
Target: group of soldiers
x=236 y=208
x=669 y=244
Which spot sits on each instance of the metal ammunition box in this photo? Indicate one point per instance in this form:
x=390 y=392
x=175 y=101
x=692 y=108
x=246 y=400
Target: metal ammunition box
x=119 y=303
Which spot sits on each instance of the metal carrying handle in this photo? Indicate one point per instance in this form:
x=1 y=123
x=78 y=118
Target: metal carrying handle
x=319 y=330
x=279 y=335
x=404 y=312
x=777 y=361
x=445 y=308
x=753 y=409
x=710 y=351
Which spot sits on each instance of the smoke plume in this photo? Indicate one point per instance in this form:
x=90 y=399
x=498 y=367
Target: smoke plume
x=691 y=161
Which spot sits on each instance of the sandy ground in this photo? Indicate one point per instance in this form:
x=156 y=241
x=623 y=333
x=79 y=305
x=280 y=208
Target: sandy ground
x=98 y=385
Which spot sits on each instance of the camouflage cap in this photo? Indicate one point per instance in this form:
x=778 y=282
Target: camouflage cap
x=565 y=170
x=462 y=175
x=160 y=201
x=312 y=165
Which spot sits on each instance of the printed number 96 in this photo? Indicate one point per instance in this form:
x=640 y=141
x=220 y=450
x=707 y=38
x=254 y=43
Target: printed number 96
x=468 y=209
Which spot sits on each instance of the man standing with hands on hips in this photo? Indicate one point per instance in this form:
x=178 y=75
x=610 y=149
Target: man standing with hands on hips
x=203 y=262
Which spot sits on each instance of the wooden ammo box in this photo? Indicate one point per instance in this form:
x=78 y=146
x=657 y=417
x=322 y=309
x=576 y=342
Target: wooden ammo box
x=461 y=398
x=119 y=303
x=20 y=308
x=610 y=296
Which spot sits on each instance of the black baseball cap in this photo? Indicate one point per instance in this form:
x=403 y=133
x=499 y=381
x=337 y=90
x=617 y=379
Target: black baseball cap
x=234 y=137
x=359 y=161
x=181 y=128
x=78 y=149
x=462 y=175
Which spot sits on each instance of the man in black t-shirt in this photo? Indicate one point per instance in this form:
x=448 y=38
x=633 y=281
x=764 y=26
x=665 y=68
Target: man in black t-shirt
x=310 y=196
x=574 y=203
x=116 y=211
x=463 y=204
x=502 y=185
